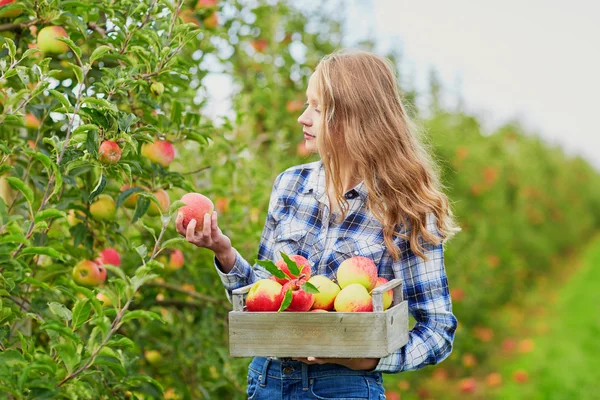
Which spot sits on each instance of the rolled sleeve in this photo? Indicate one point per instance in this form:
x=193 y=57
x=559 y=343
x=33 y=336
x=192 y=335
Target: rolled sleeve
x=426 y=290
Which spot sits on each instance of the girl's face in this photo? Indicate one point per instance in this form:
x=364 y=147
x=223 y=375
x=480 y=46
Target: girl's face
x=311 y=117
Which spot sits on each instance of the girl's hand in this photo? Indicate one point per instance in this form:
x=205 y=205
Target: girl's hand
x=209 y=237
x=357 y=364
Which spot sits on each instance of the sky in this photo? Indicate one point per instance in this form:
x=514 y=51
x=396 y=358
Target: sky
x=535 y=61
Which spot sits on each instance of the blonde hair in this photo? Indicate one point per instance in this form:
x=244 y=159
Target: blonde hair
x=364 y=122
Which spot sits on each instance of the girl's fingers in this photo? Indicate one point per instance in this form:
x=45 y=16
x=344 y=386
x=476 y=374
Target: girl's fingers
x=190 y=234
x=214 y=226
x=179 y=224
x=206 y=230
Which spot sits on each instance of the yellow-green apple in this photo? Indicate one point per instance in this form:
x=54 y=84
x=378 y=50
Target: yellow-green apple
x=159 y=151
x=109 y=152
x=211 y=22
x=328 y=290
x=196 y=206
x=104 y=299
x=15 y=12
x=31 y=121
x=163 y=199
x=172 y=261
x=74 y=217
x=47 y=40
x=301 y=300
x=353 y=298
x=357 y=269
x=132 y=199
x=387 y=296
x=109 y=256
x=88 y=273
x=302 y=263
x=104 y=208
x=264 y=295
x=153 y=356
x=157 y=88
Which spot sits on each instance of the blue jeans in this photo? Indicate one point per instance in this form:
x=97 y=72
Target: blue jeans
x=285 y=379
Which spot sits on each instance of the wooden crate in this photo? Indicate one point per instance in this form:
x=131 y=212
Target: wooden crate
x=332 y=334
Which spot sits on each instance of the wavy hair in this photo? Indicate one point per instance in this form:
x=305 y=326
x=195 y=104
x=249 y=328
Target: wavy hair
x=364 y=123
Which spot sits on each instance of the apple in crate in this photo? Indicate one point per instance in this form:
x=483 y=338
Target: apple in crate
x=357 y=269
x=264 y=295
x=301 y=300
x=387 y=296
x=301 y=263
x=328 y=290
x=353 y=298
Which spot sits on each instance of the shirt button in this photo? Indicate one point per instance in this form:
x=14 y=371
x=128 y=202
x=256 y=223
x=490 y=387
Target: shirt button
x=288 y=370
x=356 y=253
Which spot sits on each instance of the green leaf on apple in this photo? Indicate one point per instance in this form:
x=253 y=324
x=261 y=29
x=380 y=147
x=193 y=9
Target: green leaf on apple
x=310 y=288
x=291 y=264
x=140 y=208
x=287 y=300
x=272 y=268
x=99 y=188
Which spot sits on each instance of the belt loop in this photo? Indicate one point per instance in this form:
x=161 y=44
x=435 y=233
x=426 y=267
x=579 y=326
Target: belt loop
x=262 y=380
x=305 y=376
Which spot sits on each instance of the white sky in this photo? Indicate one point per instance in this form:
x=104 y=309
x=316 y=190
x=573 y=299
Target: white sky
x=535 y=60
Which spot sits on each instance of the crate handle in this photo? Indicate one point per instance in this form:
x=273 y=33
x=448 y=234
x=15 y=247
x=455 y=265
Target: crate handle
x=238 y=297
x=378 y=292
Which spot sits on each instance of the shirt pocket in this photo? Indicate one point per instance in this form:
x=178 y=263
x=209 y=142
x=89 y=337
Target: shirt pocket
x=347 y=247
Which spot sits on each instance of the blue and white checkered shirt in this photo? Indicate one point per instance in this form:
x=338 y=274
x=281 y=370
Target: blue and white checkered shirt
x=299 y=222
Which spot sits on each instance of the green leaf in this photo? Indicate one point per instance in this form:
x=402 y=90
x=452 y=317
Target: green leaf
x=99 y=52
x=12 y=49
x=103 y=103
x=71 y=44
x=67 y=352
x=291 y=264
x=81 y=312
x=62 y=330
x=142 y=250
x=175 y=206
x=287 y=300
x=60 y=311
x=272 y=268
x=99 y=188
x=50 y=213
x=129 y=315
x=310 y=288
x=124 y=195
x=91 y=143
x=61 y=98
x=19 y=185
x=85 y=128
x=140 y=208
x=172 y=242
x=47 y=251
x=44 y=159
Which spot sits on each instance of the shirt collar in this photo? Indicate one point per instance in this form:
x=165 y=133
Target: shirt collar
x=315 y=183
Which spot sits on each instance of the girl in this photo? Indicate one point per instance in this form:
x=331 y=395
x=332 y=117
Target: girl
x=375 y=193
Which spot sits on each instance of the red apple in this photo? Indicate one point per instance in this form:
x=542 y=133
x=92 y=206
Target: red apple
x=521 y=376
x=109 y=152
x=211 y=22
x=301 y=301
x=264 y=295
x=196 y=206
x=88 y=273
x=163 y=198
x=387 y=296
x=260 y=45
x=318 y=310
x=47 y=40
x=494 y=379
x=160 y=152
x=104 y=208
x=357 y=269
x=206 y=4
x=109 y=256
x=173 y=261
x=467 y=385
x=9 y=14
x=328 y=291
x=132 y=200
x=353 y=298
x=31 y=121
x=301 y=262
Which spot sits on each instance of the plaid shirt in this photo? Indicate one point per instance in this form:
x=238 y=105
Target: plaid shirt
x=299 y=222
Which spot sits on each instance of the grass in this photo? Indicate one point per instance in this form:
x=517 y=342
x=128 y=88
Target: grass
x=566 y=360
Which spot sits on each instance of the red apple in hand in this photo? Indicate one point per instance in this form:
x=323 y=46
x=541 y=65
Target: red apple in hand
x=196 y=206
x=302 y=263
x=301 y=300
x=264 y=295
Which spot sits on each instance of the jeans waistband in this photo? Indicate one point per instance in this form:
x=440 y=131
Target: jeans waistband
x=286 y=368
